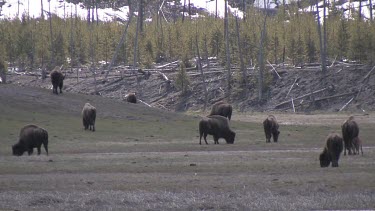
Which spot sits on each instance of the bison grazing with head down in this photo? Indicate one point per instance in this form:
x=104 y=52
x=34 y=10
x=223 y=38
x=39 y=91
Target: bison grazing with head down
x=57 y=79
x=332 y=151
x=221 y=108
x=350 y=130
x=131 y=98
x=89 y=116
x=218 y=127
x=271 y=128
x=31 y=136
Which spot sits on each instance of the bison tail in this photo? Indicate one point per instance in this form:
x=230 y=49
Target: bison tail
x=45 y=142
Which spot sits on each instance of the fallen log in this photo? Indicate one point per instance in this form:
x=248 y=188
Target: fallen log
x=295 y=80
x=346 y=104
x=274 y=69
x=300 y=97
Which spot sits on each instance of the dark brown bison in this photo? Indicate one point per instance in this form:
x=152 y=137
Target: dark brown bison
x=218 y=127
x=31 y=136
x=271 y=128
x=89 y=116
x=131 y=98
x=221 y=108
x=57 y=79
x=357 y=144
x=332 y=151
x=350 y=130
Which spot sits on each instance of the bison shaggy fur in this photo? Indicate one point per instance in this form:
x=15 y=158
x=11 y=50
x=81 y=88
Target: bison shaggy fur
x=222 y=108
x=350 y=130
x=131 y=98
x=31 y=136
x=57 y=79
x=332 y=151
x=218 y=127
x=271 y=128
x=89 y=116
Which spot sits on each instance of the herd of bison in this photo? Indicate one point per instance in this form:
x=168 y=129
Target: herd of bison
x=215 y=124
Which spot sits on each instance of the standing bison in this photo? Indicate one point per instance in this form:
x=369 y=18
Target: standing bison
x=89 y=116
x=222 y=108
x=332 y=151
x=131 y=98
x=271 y=128
x=350 y=130
x=218 y=127
x=57 y=79
x=31 y=136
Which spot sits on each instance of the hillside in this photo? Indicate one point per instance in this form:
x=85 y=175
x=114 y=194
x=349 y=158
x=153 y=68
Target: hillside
x=310 y=89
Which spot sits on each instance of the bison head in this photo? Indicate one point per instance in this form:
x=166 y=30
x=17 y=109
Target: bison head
x=18 y=150
x=276 y=136
x=325 y=159
x=230 y=137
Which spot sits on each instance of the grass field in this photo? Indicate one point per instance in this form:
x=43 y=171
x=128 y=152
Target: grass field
x=142 y=158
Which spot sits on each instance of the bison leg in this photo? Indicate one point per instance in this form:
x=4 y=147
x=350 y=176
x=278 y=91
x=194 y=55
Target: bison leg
x=45 y=145
x=39 y=151
x=216 y=140
x=93 y=128
x=30 y=151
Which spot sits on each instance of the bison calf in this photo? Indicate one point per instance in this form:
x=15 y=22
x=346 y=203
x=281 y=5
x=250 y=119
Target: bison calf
x=271 y=128
x=218 y=127
x=350 y=130
x=57 y=79
x=332 y=151
x=31 y=136
x=89 y=116
x=222 y=108
x=131 y=98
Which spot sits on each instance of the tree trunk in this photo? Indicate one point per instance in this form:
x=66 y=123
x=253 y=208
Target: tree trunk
x=322 y=53
x=189 y=10
x=325 y=28
x=136 y=45
x=371 y=18
x=243 y=69
x=201 y=70
x=51 y=34
x=261 y=54
x=141 y=15
x=183 y=11
x=121 y=41
x=216 y=10
x=228 y=65
x=41 y=9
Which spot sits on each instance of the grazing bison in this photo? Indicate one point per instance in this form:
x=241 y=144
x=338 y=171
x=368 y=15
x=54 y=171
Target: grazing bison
x=57 y=79
x=89 y=116
x=218 y=127
x=222 y=108
x=271 y=128
x=31 y=136
x=357 y=144
x=131 y=98
x=350 y=130
x=332 y=151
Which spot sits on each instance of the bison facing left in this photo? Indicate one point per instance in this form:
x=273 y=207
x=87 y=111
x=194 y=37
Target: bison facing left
x=332 y=151
x=89 y=116
x=31 y=136
x=218 y=127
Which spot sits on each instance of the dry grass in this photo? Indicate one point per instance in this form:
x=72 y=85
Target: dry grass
x=147 y=159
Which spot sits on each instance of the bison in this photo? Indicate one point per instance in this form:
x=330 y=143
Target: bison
x=31 y=136
x=131 y=98
x=89 y=116
x=357 y=144
x=271 y=128
x=332 y=151
x=218 y=127
x=350 y=130
x=222 y=108
x=57 y=79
